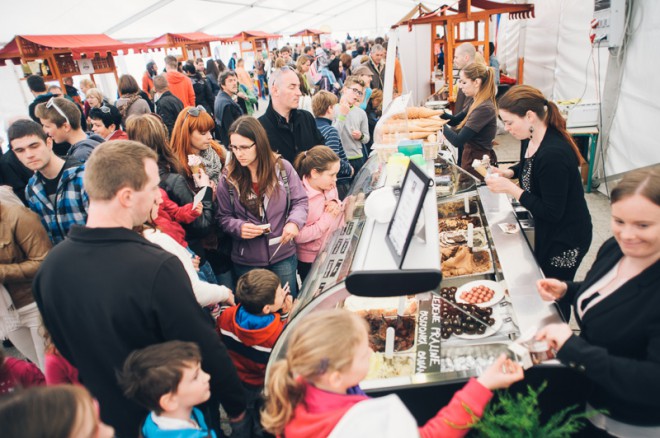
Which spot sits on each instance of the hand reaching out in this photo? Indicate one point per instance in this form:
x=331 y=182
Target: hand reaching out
x=551 y=289
x=501 y=374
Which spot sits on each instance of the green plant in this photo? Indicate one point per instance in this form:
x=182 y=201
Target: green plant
x=519 y=416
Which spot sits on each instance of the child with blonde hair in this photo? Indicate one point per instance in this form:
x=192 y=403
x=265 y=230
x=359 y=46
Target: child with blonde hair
x=314 y=392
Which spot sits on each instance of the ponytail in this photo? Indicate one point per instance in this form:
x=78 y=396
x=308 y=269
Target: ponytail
x=318 y=157
x=325 y=341
x=283 y=394
x=522 y=98
x=487 y=89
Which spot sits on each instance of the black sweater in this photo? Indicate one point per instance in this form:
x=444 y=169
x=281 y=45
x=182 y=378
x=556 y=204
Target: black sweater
x=618 y=349
x=556 y=198
x=289 y=139
x=105 y=292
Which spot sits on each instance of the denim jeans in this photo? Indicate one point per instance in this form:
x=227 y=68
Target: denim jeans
x=205 y=272
x=262 y=85
x=285 y=269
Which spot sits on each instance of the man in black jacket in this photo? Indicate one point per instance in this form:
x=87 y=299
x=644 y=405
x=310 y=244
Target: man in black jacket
x=226 y=107
x=290 y=130
x=107 y=291
x=168 y=106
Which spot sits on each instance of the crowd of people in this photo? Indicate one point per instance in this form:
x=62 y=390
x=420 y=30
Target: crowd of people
x=151 y=251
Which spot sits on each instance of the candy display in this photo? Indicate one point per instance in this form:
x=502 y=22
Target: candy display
x=376 y=307
x=458 y=223
x=465 y=363
x=459 y=237
x=460 y=260
x=404 y=334
x=478 y=295
x=382 y=368
x=456 y=209
x=455 y=321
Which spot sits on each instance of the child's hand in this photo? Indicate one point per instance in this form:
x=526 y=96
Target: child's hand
x=199 y=208
x=344 y=107
x=333 y=207
x=356 y=134
x=195 y=262
x=288 y=304
x=501 y=374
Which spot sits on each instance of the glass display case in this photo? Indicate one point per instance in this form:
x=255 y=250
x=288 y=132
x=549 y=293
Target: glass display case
x=487 y=297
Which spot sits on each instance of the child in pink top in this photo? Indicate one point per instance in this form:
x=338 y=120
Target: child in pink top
x=318 y=168
x=314 y=392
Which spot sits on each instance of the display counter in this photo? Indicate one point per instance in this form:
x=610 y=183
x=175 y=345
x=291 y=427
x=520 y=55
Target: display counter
x=487 y=297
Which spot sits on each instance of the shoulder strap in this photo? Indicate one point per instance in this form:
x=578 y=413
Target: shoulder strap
x=230 y=188
x=285 y=181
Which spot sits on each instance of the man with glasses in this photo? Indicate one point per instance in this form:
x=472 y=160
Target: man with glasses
x=290 y=130
x=55 y=191
x=106 y=122
x=61 y=121
x=226 y=107
x=351 y=122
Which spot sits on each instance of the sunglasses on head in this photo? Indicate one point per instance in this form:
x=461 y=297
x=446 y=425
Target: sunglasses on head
x=194 y=111
x=51 y=104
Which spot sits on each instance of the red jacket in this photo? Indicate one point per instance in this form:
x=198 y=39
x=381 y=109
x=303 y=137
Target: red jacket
x=58 y=370
x=117 y=135
x=320 y=412
x=171 y=215
x=148 y=84
x=249 y=349
x=181 y=87
x=16 y=373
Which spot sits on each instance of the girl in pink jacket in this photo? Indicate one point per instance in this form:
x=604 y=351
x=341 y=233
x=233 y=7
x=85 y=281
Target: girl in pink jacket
x=318 y=168
x=314 y=391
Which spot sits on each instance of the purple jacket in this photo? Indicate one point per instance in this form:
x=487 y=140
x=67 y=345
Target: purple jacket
x=256 y=252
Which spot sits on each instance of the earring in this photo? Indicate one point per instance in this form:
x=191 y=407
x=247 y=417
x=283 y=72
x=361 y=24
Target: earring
x=531 y=131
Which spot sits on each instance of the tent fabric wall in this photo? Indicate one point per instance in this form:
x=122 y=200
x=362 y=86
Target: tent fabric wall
x=633 y=138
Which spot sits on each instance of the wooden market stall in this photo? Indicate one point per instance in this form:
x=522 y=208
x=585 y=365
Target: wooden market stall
x=193 y=45
x=56 y=57
x=314 y=35
x=460 y=23
x=253 y=41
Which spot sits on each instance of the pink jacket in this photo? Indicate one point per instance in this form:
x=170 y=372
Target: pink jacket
x=321 y=411
x=319 y=225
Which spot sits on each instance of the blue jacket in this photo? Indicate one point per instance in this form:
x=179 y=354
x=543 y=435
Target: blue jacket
x=333 y=141
x=231 y=216
x=151 y=430
x=70 y=198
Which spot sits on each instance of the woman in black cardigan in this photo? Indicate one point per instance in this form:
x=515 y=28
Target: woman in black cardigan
x=550 y=182
x=618 y=309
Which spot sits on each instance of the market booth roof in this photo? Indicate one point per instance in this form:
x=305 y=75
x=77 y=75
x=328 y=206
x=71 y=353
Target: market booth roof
x=34 y=46
x=172 y=39
x=309 y=32
x=465 y=9
x=253 y=34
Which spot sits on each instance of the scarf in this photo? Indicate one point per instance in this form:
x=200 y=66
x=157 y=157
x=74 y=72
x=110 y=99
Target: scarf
x=132 y=98
x=212 y=164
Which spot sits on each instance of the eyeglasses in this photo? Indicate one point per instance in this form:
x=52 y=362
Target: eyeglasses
x=235 y=148
x=195 y=112
x=51 y=104
x=356 y=91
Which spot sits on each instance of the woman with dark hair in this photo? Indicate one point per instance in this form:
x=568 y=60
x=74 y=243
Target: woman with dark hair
x=62 y=411
x=477 y=125
x=261 y=204
x=617 y=307
x=201 y=87
x=346 y=61
x=550 y=184
x=130 y=101
x=212 y=74
x=148 y=129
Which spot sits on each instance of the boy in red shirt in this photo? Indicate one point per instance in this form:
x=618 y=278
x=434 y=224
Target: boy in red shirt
x=250 y=330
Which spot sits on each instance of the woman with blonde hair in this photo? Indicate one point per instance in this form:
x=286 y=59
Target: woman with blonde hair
x=314 y=390
x=476 y=126
x=93 y=99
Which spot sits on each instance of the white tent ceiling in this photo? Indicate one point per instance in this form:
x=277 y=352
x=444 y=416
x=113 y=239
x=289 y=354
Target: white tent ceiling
x=147 y=19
